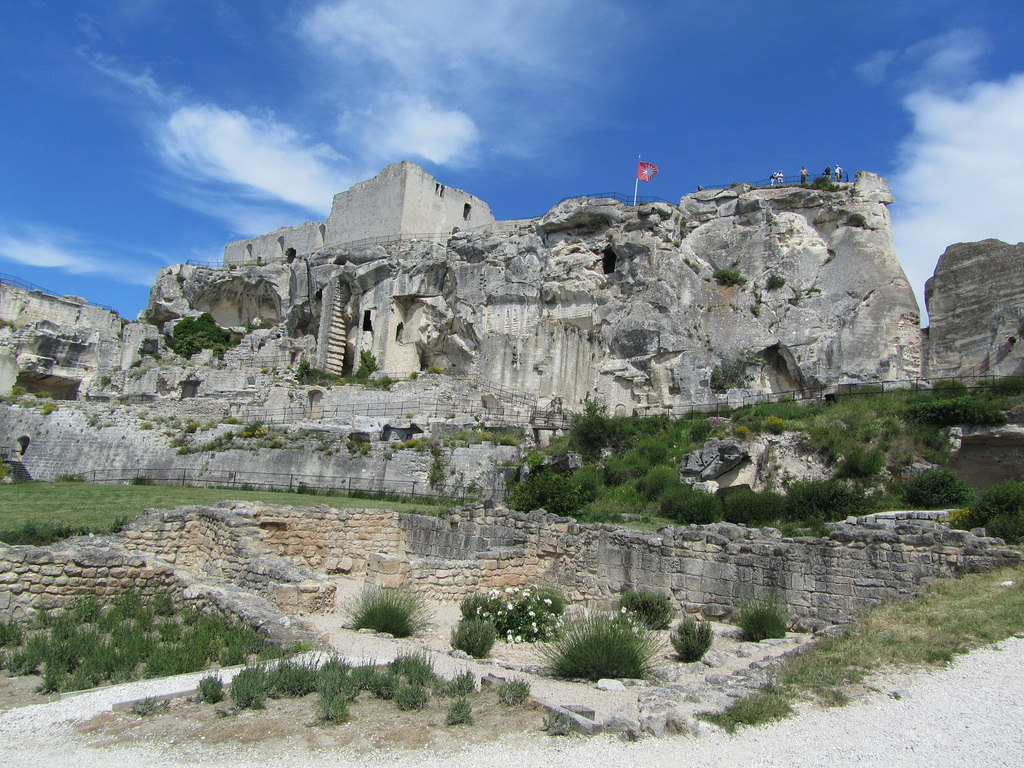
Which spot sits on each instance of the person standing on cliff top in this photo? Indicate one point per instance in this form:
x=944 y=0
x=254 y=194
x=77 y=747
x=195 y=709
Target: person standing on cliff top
x=839 y=173
x=803 y=174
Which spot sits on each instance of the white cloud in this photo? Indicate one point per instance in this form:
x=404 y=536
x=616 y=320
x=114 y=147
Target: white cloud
x=419 y=128
x=960 y=173
x=55 y=251
x=464 y=66
x=945 y=62
x=260 y=154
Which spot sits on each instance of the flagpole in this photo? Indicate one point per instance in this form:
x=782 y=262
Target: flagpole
x=636 y=184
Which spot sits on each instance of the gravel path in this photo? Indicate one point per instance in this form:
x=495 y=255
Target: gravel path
x=971 y=714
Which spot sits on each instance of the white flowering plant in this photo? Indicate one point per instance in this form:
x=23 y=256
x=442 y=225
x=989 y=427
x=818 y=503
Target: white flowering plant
x=520 y=615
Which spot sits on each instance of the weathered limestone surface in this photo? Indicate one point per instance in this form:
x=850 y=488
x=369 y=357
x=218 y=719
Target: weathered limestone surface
x=974 y=308
x=600 y=297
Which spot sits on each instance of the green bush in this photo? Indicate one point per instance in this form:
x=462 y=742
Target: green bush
x=415 y=668
x=688 y=506
x=657 y=481
x=397 y=612
x=190 y=335
x=761 y=618
x=775 y=282
x=825 y=499
x=210 y=690
x=383 y=686
x=475 y=637
x=747 y=507
x=729 y=277
x=333 y=706
x=463 y=684
x=652 y=610
x=558 y=723
x=1000 y=510
x=861 y=461
x=958 y=410
x=591 y=430
x=523 y=615
x=473 y=604
x=459 y=713
x=545 y=489
x=367 y=365
x=514 y=692
x=691 y=639
x=410 y=697
x=249 y=688
x=11 y=635
x=936 y=488
x=289 y=679
x=599 y=645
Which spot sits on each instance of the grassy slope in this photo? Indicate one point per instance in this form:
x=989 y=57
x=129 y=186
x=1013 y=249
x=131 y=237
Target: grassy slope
x=98 y=507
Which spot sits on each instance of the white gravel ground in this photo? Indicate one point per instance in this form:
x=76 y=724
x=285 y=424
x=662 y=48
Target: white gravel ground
x=971 y=714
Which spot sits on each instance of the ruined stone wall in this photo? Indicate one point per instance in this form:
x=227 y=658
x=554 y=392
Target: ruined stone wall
x=50 y=577
x=305 y=238
x=703 y=568
x=20 y=307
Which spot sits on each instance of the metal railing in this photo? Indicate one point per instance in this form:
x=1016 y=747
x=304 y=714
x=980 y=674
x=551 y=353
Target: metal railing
x=624 y=199
x=786 y=181
x=27 y=286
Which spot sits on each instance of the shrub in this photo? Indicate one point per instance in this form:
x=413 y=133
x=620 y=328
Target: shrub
x=761 y=618
x=416 y=668
x=957 y=410
x=1001 y=511
x=463 y=684
x=459 y=713
x=654 y=611
x=514 y=692
x=470 y=603
x=775 y=282
x=394 y=611
x=163 y=604
x=410 y=697
x=691 y=639
x=591 y=430
x=383 y=686
x=546 y=489
x=861 y=461
x=775 y=425
x=729 y=277
x=755 y=509
x=333 y=706
x=190 y=335
x=367 y=365
x=558 y=723
x=475 y=637
x=249 y=688
x=598 y=645
x=691 y=507
x=825 y=499
x=657 y=481
x=210 y=690
x=291 y=680
x=11 y=635
x=522 y=615
x=48 y=408
x=935 y=488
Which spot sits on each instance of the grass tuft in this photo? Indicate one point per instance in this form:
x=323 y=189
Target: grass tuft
x=396 y=612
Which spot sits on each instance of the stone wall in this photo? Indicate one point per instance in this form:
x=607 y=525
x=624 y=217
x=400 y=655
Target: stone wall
x=703 y=568
x=213 y=556
x=305 y=238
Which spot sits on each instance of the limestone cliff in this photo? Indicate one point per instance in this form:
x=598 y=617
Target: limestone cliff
x=974 y=305
x=644 y=307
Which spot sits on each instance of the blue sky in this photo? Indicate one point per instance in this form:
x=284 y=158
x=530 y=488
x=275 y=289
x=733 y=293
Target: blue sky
x=142 y=133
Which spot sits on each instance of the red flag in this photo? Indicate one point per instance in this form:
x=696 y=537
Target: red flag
x=646 y=171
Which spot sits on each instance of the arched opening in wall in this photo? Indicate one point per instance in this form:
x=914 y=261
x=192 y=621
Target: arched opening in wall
x=398 y=331
x=280 y=247
x=189 y=389
x=289 y=255
x=608 y=262
x=322 y=230
x=367 y=324
x=248 y=252
x=620 y=409
x=466 y=211
x=22 y=443
x=318 y=297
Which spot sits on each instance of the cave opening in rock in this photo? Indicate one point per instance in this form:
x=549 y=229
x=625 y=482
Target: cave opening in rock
x=609 y=261
x=367 y=324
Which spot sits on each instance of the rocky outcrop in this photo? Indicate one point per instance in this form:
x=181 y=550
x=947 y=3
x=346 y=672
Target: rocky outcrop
x=975 y=306
x=647 y=307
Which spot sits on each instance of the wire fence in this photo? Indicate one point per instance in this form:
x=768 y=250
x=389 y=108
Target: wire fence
x=27 y=286
x=783 y=181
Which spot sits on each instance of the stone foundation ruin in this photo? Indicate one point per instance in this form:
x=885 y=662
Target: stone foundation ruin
x=271 y=565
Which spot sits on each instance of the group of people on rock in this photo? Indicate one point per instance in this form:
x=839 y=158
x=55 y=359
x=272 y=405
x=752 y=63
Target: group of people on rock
x=779 y=178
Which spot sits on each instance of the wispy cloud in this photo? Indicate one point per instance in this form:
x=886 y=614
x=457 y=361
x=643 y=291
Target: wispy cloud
x=59 y=251
x=463 y=68
x=959 y=173
x=942 y=63
x=260 y=154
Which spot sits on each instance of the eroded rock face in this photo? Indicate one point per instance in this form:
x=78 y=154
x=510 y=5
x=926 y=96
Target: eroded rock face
x=974 y=302
x=629 y=304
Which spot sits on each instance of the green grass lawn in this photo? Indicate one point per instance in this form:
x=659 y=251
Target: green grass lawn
x=82 y=507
